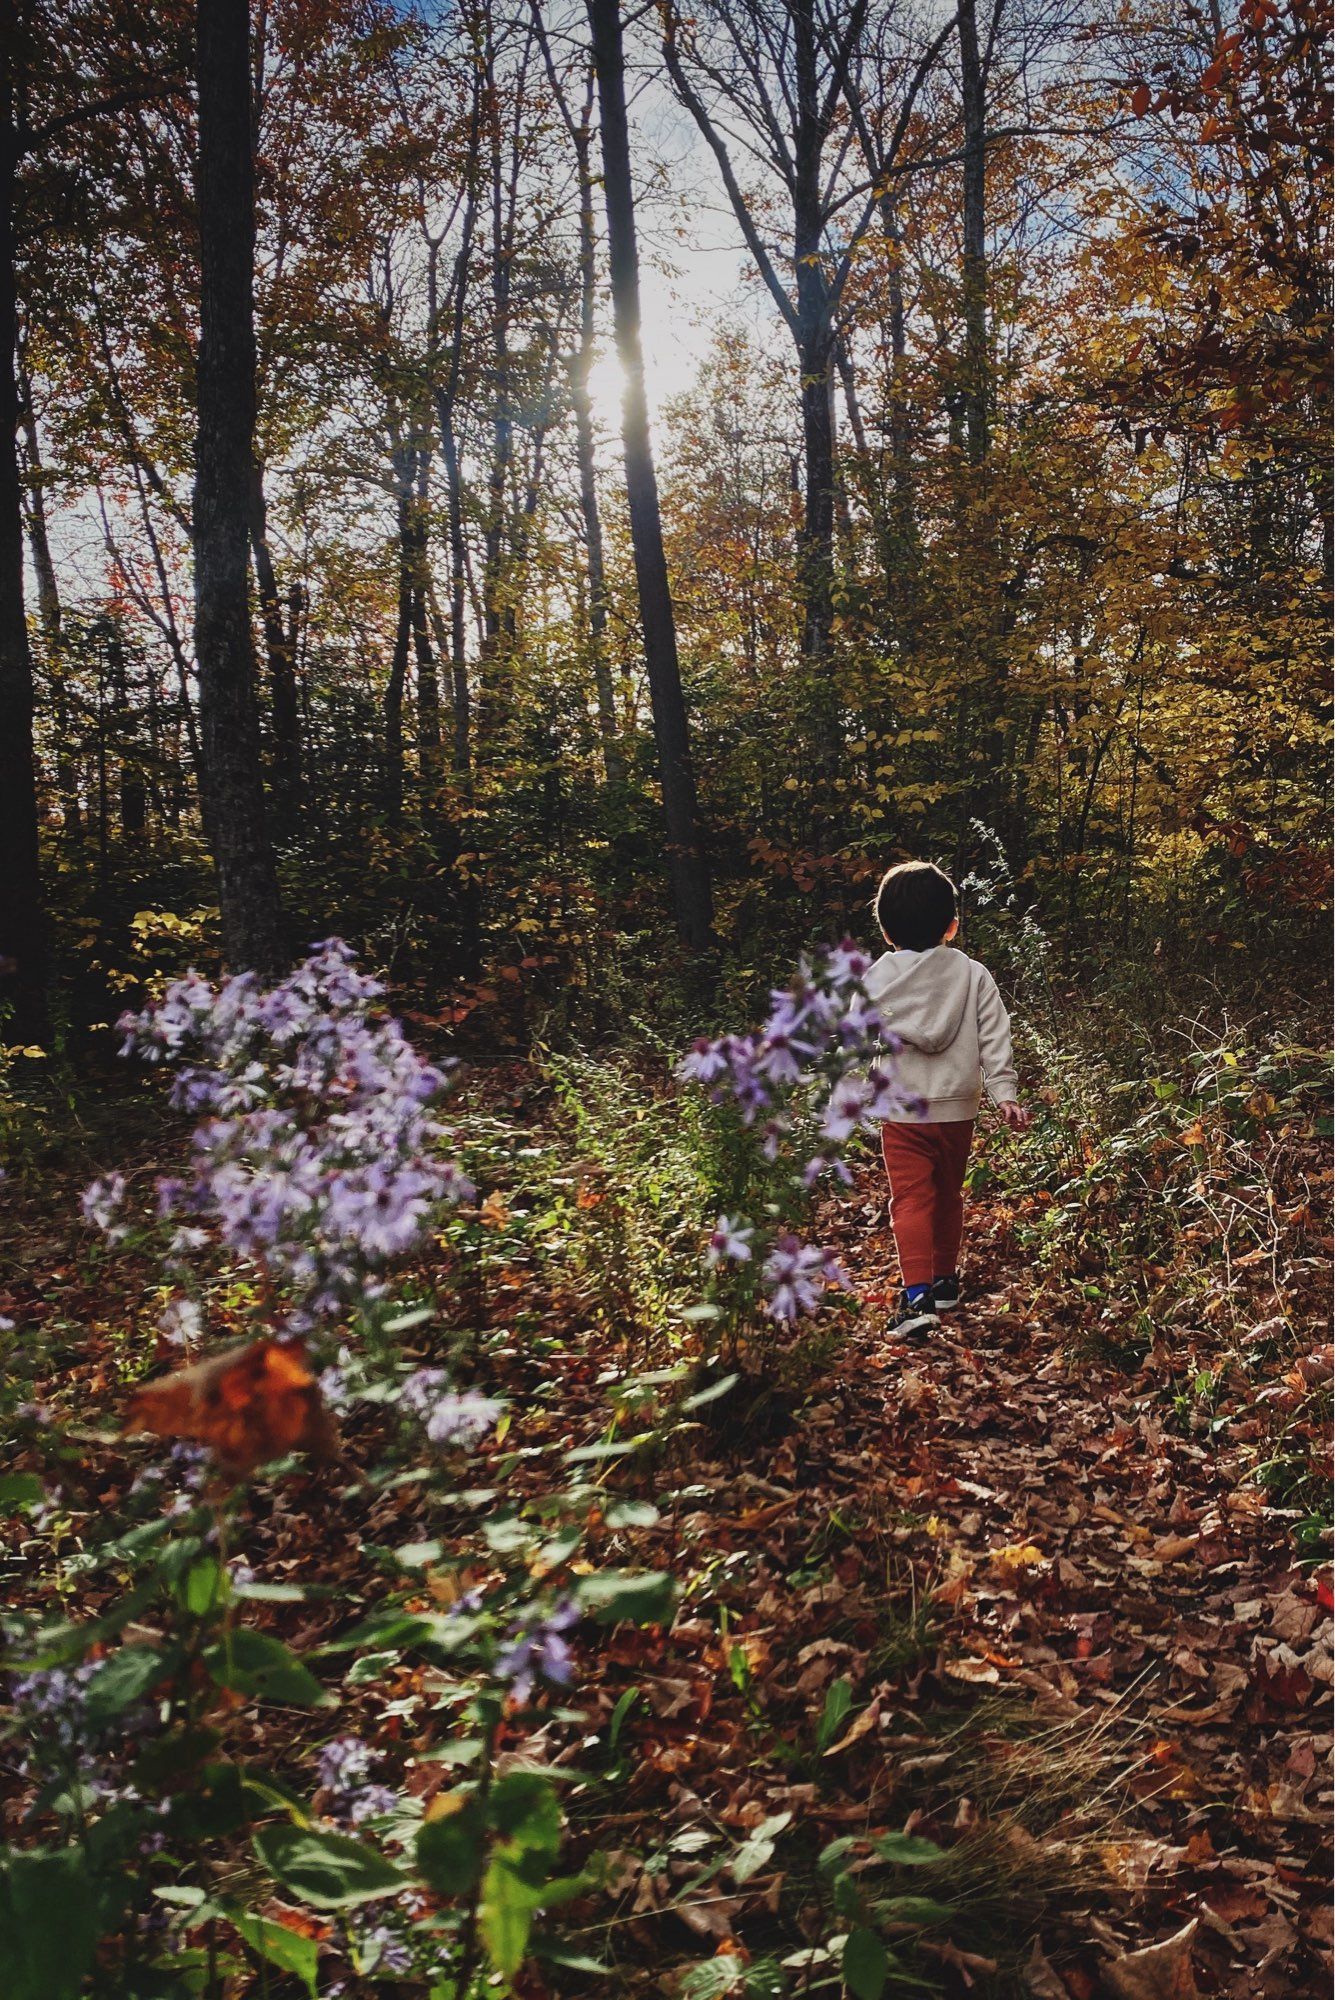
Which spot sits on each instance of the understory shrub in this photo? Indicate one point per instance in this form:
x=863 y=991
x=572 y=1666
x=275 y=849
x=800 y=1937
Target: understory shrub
x=172 y=1832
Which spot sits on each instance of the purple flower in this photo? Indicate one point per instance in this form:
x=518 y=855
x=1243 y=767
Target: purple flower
x=101 y=1203
x=180 y=1322
x=781 y=1057
x=317 y=1157
x=449 y=1417
x=344 y=1766
x=383 y=1950
x=795 y=1276
x=343 y=1763
x=847 y=964
x=372 y=1802
x=535 y=1645
x=730 y=1239
x=705 y=1064
x=845 y=1108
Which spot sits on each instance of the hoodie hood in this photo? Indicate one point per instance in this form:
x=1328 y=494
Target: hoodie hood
x=925 y=994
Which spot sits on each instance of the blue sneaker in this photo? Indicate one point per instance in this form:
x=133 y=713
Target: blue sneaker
x=914 y=1317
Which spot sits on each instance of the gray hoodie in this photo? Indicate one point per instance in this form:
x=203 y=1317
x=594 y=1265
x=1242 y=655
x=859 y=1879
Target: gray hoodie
x=955 y=1031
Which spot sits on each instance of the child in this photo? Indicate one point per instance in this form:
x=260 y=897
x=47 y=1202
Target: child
x=955 y=1034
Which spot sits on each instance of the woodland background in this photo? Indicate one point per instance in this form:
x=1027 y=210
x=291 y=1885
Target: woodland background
x=359 y=576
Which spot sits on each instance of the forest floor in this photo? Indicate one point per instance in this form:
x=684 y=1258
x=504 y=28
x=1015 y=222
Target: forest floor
x=989 y=1589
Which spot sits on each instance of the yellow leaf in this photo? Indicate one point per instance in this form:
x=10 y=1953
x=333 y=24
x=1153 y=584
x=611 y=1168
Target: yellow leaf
x=1022 y=1555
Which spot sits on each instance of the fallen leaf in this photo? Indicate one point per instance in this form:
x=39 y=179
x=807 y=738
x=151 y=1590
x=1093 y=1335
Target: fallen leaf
x=248 y=1404
x=1041 y=1980
x=1159 y=1972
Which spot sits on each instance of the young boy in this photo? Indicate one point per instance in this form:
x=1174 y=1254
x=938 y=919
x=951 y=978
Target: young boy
x=955 y=1035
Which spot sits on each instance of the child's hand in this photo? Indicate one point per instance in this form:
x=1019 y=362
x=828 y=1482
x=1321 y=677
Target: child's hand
x=1016 y=1117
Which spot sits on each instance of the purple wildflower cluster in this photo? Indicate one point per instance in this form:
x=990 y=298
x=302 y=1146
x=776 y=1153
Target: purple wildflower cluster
x=65 y=1737
x=536 y=1645
x=345 y=1773
x=822 y=1030
x=448 y=1416
x=316 y=1157
x=383 y=1950
x=819 y=1070
x=797 y=1275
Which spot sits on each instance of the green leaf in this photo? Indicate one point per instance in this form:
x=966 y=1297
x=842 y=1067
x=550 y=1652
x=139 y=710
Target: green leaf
x=327 y=1870
x=523 y=1809
x=623 y=1708
x=632 y=1514
x=415 y=1316
x=560 y=1548
x=415 y=1555
x=281 y=1947
x=646 y=1599
x=908 y=1850
x=712 y=1978
x=564 y=1955
x=19 y=1491
x=866 y=1965
x=586 y=1454
x=507 y=1536
x=205 y=1586
x=506 y=1915
x=255 y=1663
x=758 y=1847
x=838 y=1701
x=124 y=1679
x=711 y=1394
x=914 y=1910
x=450 y=1849
x=371 y=1667
x=48 y=1925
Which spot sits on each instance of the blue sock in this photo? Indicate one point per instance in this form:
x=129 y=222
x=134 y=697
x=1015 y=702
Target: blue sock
x=917 y=1294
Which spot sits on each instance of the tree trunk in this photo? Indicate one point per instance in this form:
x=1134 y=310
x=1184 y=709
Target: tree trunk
x=497 y=583
x=581 y=364
x=280 y=640
x=818 y=507
x=49 y=615
x=689 y=870
x=973 y=91
x=398 y=666
x=815 y=359
x=22 y=912
x=459 y=692
x=428 y=685
x=230 y=773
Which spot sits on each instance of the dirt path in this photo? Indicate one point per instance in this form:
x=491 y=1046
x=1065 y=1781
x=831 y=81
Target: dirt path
x=1083 y=1660
x=1118 y=1568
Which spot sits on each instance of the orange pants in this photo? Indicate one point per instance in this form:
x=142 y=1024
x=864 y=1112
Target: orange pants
x=926 y=1165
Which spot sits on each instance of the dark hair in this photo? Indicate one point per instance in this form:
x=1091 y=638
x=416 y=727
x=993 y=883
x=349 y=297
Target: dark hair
x=916 y=904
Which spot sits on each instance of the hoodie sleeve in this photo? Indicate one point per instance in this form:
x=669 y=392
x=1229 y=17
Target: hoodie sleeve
x=994 y=1042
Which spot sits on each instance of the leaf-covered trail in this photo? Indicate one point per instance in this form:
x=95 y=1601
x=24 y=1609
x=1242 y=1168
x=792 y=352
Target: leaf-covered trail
x=1123 y=1572
x=980 y=1589
x=1082 y=1659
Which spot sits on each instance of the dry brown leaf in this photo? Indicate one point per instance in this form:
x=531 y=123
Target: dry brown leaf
x=248 y=1404
x=1159 y=1972
x=1041 y=1980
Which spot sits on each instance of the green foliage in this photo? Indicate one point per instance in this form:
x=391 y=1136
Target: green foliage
x=326 y=1870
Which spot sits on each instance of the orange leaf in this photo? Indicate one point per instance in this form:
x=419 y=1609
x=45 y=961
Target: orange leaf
x=248 y=1404
x=1140 y=99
